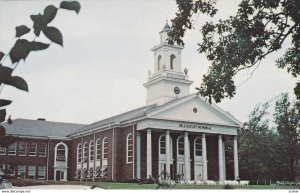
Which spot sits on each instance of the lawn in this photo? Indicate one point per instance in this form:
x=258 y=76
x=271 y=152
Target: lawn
x=113 y=185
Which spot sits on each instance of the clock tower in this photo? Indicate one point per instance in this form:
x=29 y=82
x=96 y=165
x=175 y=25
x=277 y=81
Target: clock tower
x=167 y=82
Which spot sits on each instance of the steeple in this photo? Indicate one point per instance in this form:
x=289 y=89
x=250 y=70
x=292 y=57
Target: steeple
x=168 y=82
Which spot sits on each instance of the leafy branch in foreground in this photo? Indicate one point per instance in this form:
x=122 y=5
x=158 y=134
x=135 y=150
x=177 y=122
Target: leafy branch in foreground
x=240 y=42
x=23 y=47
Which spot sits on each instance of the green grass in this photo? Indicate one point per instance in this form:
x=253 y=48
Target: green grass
x=113 y=185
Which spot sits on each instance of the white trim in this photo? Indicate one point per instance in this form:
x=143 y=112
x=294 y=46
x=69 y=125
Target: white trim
x=127 y=150
x=138 y=155
x=149 y=153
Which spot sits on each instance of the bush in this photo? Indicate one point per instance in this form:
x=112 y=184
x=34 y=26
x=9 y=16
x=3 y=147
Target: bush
x=228 y=187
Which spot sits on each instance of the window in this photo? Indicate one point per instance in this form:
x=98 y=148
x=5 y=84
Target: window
x=129 y=148
x=85 y=151
x=2 y=150
x=42 y=147
x=22 y=148
x=60 y=153
x=98 y=150
x=32 y=148
x=92 y=150
x=21 y=171
x=79 y=153
x=172 y=61
x=180 y=145
x=159 y=63
x=31 y=172
x=11 y=170
x=198 y=146
x=12 y=148
x=105 y=148
x=41 y=172
x=162 y=145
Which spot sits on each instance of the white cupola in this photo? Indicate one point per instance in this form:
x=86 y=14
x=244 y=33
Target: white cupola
x=168 y=82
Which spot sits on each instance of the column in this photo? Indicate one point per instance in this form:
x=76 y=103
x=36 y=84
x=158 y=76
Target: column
x=204 y=158
x=187 y=156
x=149 y=153
x=220 y=148
x=168 y=152
x=235 y=158
x=224 y=160
x=138 y=155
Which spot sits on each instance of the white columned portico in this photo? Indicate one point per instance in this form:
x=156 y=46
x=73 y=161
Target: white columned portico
x=149 y=153
x=204 y=158
x=187 y=156
x=235 y=158
x=138 y=155
x=168 y=152
x=221 y=161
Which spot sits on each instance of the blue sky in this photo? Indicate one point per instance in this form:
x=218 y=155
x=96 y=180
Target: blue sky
x=106 y=57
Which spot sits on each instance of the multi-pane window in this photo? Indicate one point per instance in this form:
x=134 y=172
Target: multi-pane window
x=32 y=148
x=162 y=143
x=85 y=152
x=105 y=148
x=129 y=148
x=42 y=148
x=2 y=150
x=12 y=149
x=21 y=171
x=198 y=146
x=98 y=150
x=11 y=170
x=31 y=172
x=79 y=153
x=180 y=146
x=22 y=148
x=60 y=153
x=92 y=150
x=41 y=172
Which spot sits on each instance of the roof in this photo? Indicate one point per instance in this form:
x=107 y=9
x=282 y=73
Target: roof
x=166 y=28
x=129 y=115
x=40 y=128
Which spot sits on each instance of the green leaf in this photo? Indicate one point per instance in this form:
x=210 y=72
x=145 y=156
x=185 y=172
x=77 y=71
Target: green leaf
x=1 y=55
x=35 y=46
x=71 y=5
x=21 y=30
x=18 y=82
x=49 y=13
x=2 y=115
x=39 y=23
x=4 y=102
x=54 y=35
x=20 y=50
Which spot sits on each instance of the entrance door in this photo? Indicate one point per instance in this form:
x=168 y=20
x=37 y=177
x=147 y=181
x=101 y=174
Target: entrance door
x=198 y=172
x=57 y=176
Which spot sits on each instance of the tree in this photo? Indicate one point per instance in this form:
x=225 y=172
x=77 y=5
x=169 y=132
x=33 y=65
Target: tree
x=259 y=28
x=258 y=147
x=23 y=47
x=287 y=118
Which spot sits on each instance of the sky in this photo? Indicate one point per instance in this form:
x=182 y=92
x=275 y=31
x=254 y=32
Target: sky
x=106 y=57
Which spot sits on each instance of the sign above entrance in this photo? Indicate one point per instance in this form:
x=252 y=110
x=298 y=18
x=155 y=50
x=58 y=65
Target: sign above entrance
x=184 y=125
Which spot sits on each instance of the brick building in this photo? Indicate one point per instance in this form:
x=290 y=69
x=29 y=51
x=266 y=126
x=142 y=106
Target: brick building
x=176 y=134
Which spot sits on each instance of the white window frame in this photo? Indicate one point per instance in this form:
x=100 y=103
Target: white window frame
x=41 y=169
x=2 y=150
x=171 y=145
x=98 y=149
x=21 y=169
x=25 y=151
x=178 y=143
x=104 y=147
x=12 y=151
x=61 y=148
x=44 y=152
x=198 y=138
x=91 y=151
x=128 y=149
x=30 y=152
x=31 y=169
x=85 y=152
x=79 y=153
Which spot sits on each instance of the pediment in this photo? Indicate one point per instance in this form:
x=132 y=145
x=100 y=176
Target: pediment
x=194 y=109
